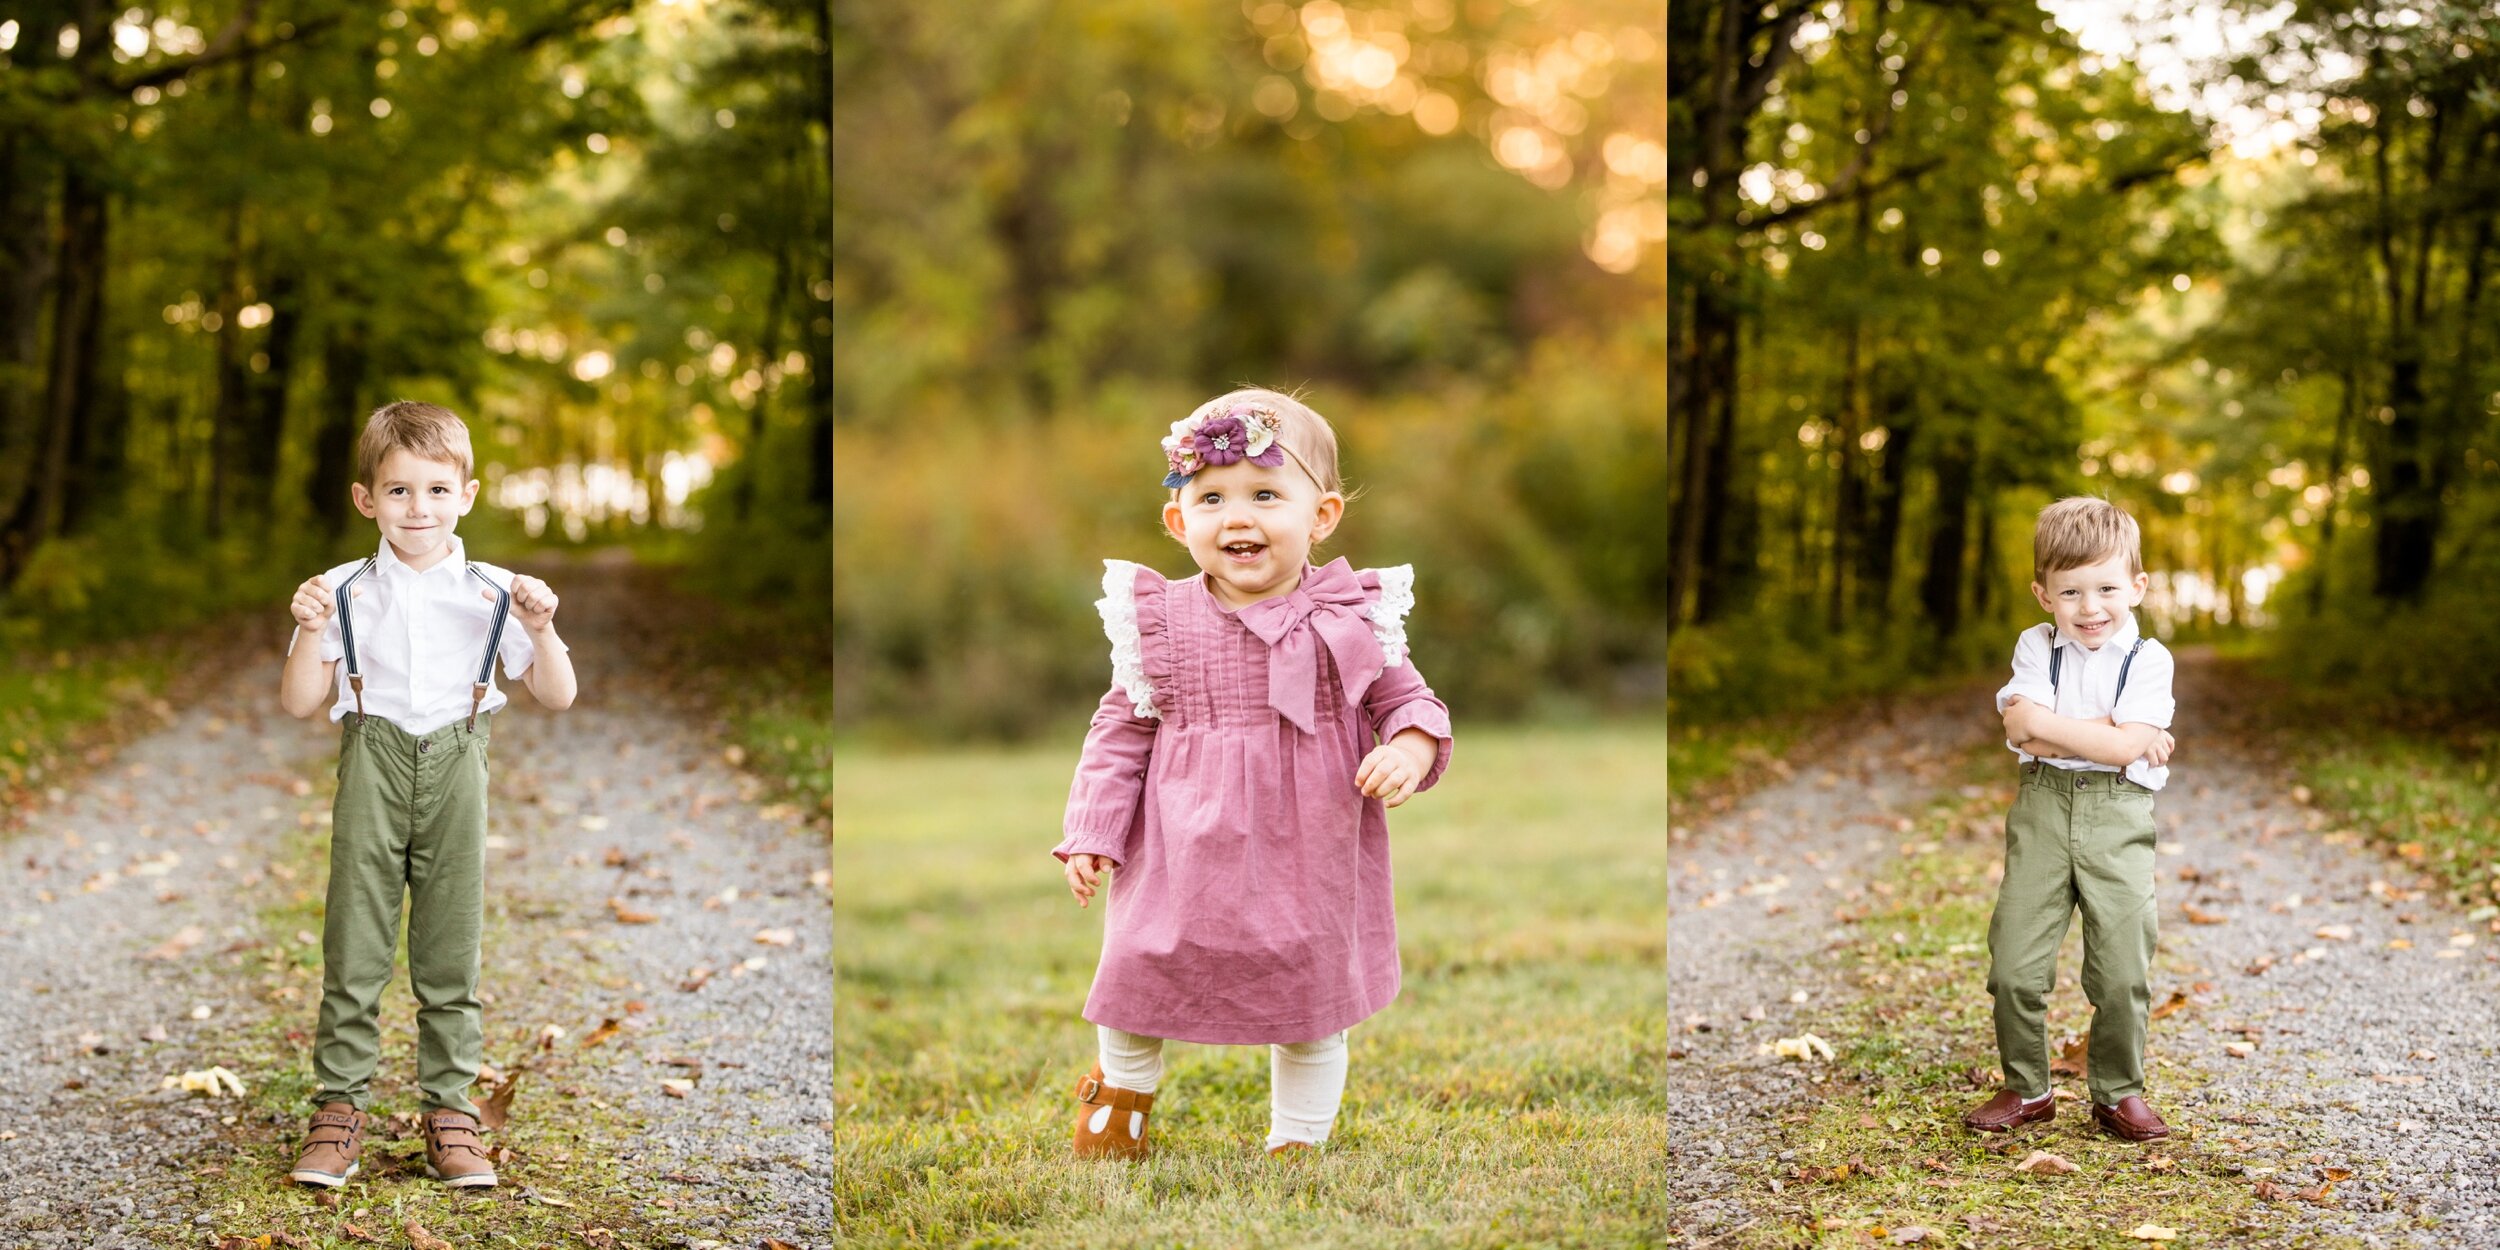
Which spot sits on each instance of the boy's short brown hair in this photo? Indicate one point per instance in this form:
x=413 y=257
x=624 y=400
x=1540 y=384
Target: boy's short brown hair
x=2080 y=530
x=428 y=430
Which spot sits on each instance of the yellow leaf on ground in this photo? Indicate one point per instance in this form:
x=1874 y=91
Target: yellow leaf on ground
x=2045 y=1164
x=2153 y=1232
x=1807 y=1047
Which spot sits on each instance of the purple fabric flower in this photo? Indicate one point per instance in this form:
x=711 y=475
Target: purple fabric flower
x=1221 y=441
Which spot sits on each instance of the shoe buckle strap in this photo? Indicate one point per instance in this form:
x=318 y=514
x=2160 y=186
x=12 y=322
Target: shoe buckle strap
x=1088 y=1088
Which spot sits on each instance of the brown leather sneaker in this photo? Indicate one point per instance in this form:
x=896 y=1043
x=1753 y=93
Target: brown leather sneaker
x=1110 y=1121
x=2007 y=1111
x=454 y=1154
x=2130 y=1119
x=332 y=1146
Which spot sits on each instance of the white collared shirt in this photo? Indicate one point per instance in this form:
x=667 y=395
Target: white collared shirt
x=2087 y=689
x=420 y=637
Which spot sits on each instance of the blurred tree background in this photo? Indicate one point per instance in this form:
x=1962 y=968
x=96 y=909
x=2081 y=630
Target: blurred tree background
x=1937 y=263
x=229 y=229
x=1060 y=227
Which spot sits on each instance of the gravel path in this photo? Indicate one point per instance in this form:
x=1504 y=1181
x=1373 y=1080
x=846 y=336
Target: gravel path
x=2366 y=1003
x=1751 y=892
x=2375 y=1058
x=154 y=854
x=162 y=852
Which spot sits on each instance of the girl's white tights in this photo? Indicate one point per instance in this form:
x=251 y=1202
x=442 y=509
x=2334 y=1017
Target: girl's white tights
x=1306 y=1081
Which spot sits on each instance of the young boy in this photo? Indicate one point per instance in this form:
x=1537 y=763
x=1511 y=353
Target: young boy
x=2088 y=712
x=420 y=626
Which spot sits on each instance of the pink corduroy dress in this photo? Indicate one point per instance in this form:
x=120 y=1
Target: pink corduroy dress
x=1252 y=900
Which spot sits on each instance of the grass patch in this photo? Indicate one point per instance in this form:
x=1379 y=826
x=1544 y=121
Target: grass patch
x=2432 y=799
x=1879 y=1146
x=66 y=710
x=1511 y=1097
x=561 y=1159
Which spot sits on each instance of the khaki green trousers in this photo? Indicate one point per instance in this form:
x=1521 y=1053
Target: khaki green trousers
x=2075 y=839
x=410 y=818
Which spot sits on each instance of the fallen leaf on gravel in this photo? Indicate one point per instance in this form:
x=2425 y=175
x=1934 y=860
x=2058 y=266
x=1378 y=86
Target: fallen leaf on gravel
x=594 y=824
x=244 y=1243
x=548 y=1200
x=1935 y=1165
x=2408 y=1079
x=548 y=1035
x=1908 y=1233
x=607 y=1029
x=355 y=1233
x=2336 y=1174
x=694 y=980
x=209 y=1081
x=2257 y=968
x=2271 y=1192
x=2461 y=939
x=93 y=1043
x=423 y=1240
x=677 y=1087
x=2239 y=1050
x=2335 y=932
x=775 y=1243
x=775 y=937
x=178 y=945
x=681 y=1061
x=627 y=915
x=2045 y=1164
x=2153 y=1232
x=1807 y=1047
x=2177 y=1000
x=2426 y=1056
x=2159 y=1163
x=2198 y=915
x=2399 y=944
x=2323 y=1194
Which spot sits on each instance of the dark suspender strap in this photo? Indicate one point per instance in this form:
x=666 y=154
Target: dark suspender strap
x=494 y=643
x=2054 y=657
x=2123 y=666
x=347 y=635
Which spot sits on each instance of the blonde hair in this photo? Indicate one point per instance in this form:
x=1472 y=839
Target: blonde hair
x=2080 y=530
x=423 y=429
x=1305 y=435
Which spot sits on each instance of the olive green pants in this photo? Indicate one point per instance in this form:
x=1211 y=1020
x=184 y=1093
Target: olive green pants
x=2075 y=839
x=410 y=818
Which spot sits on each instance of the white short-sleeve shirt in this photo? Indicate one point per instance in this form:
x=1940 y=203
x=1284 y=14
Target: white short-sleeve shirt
x=2087 y=688
x=421 y=638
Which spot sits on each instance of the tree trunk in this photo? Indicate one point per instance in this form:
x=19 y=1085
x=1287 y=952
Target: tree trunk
x=1877 y=556
x=2408 y=512
x=264 y=429
x=69 y=383
x=344 y=361
x=25 y=273
x=1940 y=587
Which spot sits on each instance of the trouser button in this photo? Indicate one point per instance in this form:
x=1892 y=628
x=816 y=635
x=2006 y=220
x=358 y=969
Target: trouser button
x=424 y=745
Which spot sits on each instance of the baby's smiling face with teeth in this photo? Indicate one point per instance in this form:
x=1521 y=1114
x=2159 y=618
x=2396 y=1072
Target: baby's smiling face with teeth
x=2090 y=602
x=1251 y=527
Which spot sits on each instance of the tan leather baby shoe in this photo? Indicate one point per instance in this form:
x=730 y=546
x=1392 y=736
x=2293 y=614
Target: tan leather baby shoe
x=332 y=1146
x=1110 y=1121
x=454 y=1153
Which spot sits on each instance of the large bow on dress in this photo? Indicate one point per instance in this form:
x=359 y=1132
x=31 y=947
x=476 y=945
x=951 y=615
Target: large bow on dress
x=1327 y=610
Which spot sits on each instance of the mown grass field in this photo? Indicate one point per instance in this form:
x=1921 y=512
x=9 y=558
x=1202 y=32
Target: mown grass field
x=1512 y=1096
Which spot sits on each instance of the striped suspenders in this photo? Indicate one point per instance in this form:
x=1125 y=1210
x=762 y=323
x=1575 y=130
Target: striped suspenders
x=2055 y=656
x=485 y=668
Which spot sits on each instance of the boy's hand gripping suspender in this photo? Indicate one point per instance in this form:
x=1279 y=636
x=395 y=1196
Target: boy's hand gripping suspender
x=347 y=635
x=494 y=643
x=486 y=667
x=2123 y=665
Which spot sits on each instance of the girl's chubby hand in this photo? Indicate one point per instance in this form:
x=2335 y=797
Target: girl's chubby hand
x=1394 y=768
x=1084 y=874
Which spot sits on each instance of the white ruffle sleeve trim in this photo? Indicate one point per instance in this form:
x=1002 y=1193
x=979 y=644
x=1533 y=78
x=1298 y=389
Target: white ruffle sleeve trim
x=1388 y=617
x=1118 y=606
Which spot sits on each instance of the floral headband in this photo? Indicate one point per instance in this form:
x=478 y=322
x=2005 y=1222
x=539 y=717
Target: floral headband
x=1242 y=432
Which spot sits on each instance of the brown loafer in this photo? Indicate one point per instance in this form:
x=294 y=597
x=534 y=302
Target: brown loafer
x=1110 y=1121
x=2130 y=1119
x=2007 y=1112
x=331 y=1147
x=454 y=1153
